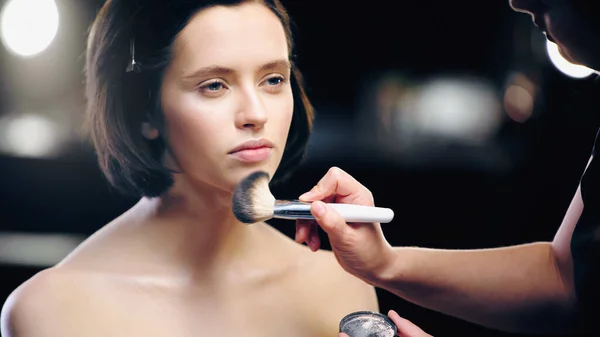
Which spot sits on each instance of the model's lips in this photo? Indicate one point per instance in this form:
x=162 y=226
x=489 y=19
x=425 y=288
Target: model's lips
x=538 y=20
x=253 y=144
x=254 y=150
x=252 y=155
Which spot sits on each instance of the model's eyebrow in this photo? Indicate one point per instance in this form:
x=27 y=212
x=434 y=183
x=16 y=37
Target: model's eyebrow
x=278 y=64
x=213 y=70
x=217 y=70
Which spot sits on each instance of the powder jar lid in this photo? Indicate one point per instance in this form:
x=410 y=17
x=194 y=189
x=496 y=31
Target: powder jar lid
x=368 y=324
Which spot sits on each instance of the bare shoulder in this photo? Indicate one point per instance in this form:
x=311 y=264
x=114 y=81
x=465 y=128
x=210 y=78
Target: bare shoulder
x=333 y=280
x=327 y=280
x=321 y=291
x=42 y=305
x=328 y=292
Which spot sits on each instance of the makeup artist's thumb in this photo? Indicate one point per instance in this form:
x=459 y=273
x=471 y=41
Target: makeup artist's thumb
x=331 y=221
x=405 y=327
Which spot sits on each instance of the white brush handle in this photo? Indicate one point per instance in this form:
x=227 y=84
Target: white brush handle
x=358 y=213
x=292 y=210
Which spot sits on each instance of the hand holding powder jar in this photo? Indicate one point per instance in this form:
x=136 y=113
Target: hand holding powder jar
x=368 y=324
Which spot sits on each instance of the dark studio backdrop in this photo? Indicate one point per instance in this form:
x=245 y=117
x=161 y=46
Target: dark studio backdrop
x=451 y=113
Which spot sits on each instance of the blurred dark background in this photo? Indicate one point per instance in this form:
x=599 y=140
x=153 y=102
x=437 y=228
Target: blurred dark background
x=453 y=113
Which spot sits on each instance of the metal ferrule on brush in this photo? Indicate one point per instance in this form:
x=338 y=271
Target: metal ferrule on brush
x=292 y=209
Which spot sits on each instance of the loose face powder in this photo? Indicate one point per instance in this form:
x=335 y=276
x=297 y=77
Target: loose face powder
x=367 y=324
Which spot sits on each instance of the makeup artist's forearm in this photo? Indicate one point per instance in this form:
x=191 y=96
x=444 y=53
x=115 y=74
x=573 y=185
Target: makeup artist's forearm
x=516 y=289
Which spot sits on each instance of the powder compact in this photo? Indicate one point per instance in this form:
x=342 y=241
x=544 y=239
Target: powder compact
x=368 y=324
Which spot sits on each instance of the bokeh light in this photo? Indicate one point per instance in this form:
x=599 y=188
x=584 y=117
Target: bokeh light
x=28 y=27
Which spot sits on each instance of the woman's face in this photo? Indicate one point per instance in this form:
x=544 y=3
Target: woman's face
x=566 y=25
x=226 y=97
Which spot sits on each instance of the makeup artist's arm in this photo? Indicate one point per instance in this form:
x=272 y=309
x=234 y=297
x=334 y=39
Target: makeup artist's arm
x=520 y=288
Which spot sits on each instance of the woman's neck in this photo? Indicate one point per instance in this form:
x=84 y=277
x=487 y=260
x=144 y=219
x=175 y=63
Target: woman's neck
x=195 y=228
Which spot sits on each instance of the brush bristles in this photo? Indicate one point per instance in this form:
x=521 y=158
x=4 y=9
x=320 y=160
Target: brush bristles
x=252 y=199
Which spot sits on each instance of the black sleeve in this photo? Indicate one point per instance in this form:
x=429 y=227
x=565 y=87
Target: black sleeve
x=585 y=244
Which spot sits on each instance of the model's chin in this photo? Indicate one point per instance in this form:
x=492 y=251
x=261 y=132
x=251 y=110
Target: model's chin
x=574 y=57
x=243 y=171
x=568 y=55
x=568 y=42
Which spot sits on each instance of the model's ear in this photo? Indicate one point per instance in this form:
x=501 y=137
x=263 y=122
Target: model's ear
x=149 y=132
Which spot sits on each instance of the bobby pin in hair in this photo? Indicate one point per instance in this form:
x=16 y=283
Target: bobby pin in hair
x=133 y=66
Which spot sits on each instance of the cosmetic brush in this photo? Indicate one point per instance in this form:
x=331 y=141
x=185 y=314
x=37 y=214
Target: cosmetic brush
x=253 y=202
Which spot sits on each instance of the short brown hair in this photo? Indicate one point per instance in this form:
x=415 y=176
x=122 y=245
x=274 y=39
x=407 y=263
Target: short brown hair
x=118 y=102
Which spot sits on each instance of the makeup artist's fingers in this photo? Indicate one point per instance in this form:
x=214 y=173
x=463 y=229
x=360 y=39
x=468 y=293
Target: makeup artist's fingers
x=331 y=198
x=406 y=328
x=360 y=248
x=314 y=241
x=308 y=231
x=344 y=186
x=303 y=230
x=332 y=222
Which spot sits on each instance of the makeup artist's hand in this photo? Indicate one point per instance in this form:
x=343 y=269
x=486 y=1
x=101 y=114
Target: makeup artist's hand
x=360 y=248
x=406 y=328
